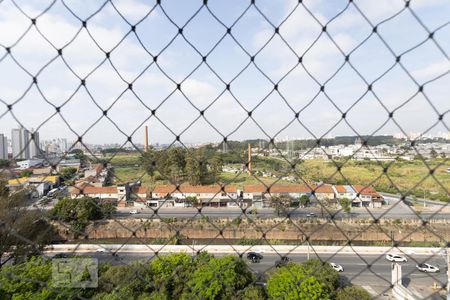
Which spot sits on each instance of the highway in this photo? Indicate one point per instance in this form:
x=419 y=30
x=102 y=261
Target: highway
x=373 y=272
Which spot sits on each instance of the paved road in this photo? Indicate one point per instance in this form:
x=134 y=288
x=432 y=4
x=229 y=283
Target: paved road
x=371 y=271
x=400 y=211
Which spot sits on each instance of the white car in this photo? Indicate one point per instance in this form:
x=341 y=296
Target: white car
x=337 y=267
x=310 y=215
x=396 y=258
x=100 y=250
x=133 y=212
x=427 y=268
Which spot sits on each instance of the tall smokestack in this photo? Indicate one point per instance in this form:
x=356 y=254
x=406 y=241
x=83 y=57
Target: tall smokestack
x=249 y=159
x=146 y=139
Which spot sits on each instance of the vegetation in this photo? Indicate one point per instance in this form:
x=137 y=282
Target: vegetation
x=182 y=165
x=78 y=212
x=22 y=232
x=351 y=293
x=68 y=173
x=26 y=173
x=180 y=276
x=4 y=163
x=205 y=166
x=346 y=205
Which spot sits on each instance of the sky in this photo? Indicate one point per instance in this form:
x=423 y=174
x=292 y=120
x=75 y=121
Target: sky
x=203 y=85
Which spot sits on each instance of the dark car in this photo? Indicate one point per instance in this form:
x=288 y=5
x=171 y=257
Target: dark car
x=61 y=255
x=282 y=262
x=254 y=257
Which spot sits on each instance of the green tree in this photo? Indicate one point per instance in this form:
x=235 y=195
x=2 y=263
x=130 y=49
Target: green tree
x=79 y=154
x=309 y=280
x=26 y=173
x=346 y=205
x=78 y=212
x=351 y=293
x=292 y=282
x=304 y=200
x=23 y=232
x=4 y=163
x=192 y=169
x=433 y=153
x=36 y=271
x=68 y=173
x=216 y=165
x=219 y=278
x=281 y=203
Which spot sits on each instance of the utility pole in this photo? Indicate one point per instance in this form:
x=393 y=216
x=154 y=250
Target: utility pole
x=448 y=273
x=307 y=257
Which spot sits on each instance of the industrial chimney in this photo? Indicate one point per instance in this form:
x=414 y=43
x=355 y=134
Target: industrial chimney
x=146 y=139
x=249 y=159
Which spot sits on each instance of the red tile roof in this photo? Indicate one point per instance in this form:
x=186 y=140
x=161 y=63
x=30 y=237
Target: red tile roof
x=277 y=188
x=324 y=188
x=90 y=190
x=366 y=190
x=340 y=188
x=184 y=188
x=141 y=190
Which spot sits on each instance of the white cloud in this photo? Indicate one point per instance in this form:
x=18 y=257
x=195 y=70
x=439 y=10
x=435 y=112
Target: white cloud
x=431 y=71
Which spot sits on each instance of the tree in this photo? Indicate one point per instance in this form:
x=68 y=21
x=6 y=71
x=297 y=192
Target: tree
x=353 y=292
x=346 y=205
x=23 y=232
x=216 y=165
x=281 y=203
x=304 y=200
x=291 y=282
x=4 y=163
x=68 y=173
x=219 y=278
x=26 y=173
x=309 y=280
x=192 y=169
x=78 y=212
x=433 y=153
x=79 y=154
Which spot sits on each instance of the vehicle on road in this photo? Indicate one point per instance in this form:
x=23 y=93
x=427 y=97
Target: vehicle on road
x=100 y=250
x=282 y=262
x=310 y=215
x=133 y=212
x=337 y=267
x=427 y=268
x=254 y=257
x=61 y=255
x=396 y=257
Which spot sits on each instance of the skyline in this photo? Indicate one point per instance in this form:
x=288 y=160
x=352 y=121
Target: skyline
x=371 y=59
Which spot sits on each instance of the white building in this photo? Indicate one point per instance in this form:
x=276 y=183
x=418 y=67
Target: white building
x=29 y=163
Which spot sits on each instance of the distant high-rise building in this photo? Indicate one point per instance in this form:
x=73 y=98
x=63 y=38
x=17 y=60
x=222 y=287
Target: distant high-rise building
x=3 y=147
x=25 y=145
x=62 y=145
x=19 y=143
x=34 y=145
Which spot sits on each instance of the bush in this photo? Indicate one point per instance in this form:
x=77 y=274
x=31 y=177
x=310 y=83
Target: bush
x=351 y=293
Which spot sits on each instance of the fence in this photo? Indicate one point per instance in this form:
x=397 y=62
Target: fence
x=254 y=126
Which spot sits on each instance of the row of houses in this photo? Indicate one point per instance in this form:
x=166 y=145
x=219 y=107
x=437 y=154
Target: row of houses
x=258 y=196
